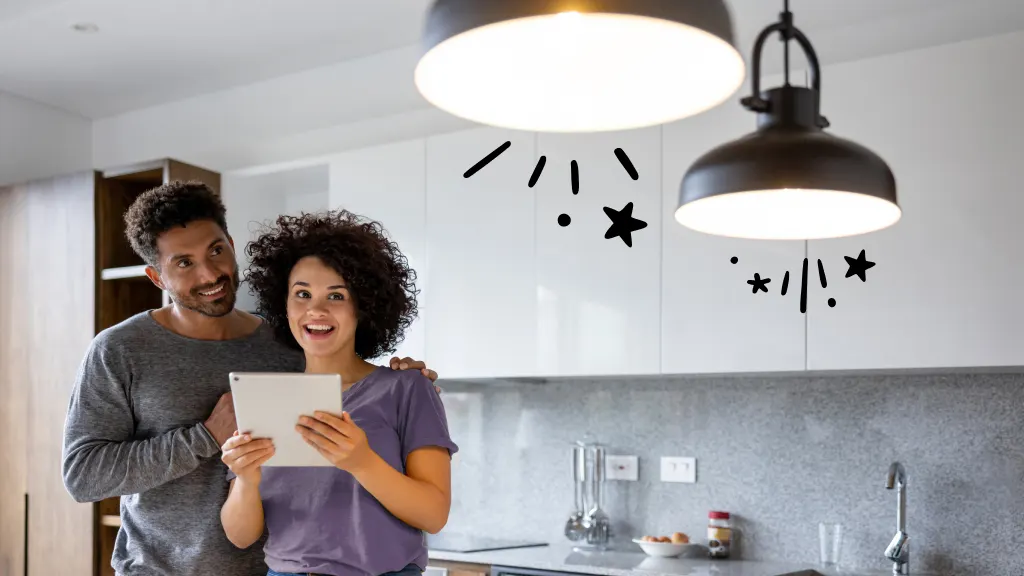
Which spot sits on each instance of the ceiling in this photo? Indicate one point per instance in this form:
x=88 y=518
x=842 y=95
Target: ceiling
x=149 y=52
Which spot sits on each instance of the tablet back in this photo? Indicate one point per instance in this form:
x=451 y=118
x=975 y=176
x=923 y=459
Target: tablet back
x=268 y=405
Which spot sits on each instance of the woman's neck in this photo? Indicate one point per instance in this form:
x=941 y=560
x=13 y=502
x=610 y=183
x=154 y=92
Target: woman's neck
x=351 y=367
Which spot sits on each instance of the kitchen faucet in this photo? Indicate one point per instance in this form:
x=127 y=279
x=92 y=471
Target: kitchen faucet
x=898 y=550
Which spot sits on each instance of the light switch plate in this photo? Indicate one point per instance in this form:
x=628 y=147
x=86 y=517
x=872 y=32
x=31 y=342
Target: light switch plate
x=677 y=469
x=622 y=468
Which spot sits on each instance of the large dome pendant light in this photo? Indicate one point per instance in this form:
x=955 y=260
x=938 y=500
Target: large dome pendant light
x=789 y=180
x=578 y=65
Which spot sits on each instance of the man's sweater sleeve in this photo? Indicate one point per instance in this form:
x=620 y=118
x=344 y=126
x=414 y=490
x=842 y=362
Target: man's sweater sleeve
x=101 y=458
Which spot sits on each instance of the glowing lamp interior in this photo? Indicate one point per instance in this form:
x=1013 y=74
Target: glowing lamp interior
x=580 y=72
x=788 y=214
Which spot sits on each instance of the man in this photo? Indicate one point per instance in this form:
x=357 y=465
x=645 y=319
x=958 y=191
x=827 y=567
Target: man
x=150 y=408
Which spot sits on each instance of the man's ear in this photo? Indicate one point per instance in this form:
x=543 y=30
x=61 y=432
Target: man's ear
x=154 y=277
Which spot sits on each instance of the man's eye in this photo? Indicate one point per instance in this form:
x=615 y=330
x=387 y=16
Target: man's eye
x=183 y=263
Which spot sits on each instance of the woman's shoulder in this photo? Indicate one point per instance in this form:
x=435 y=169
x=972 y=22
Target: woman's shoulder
x=402 y=381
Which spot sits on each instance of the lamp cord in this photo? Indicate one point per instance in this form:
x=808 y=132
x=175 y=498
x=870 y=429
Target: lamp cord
x=787 y=18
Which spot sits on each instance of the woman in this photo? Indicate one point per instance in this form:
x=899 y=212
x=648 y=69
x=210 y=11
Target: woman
x=333 y=285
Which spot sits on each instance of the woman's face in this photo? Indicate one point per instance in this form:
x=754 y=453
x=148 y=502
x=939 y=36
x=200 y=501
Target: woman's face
x=321 y=313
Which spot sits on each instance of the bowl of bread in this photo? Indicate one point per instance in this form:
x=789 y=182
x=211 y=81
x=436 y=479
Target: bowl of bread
x=664 y=546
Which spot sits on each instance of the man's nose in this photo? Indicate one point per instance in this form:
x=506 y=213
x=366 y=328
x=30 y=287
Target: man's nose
x=208 y=274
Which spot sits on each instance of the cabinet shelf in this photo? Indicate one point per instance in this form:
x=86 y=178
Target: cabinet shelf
x=111 y=520
x=124 y=272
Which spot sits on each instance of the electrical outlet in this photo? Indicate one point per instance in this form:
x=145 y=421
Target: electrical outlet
x=676 y=469
x=622 y=468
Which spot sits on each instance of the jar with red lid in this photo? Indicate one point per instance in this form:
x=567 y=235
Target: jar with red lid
x=719 y=534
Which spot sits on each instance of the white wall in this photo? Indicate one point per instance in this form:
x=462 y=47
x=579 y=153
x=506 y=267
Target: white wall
x=347 y=105
x=38 y=141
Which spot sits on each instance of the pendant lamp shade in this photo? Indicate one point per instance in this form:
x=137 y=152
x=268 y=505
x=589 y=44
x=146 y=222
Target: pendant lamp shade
x=578 y=65
x=788 y=180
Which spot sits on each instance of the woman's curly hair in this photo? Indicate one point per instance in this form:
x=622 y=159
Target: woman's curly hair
x=377 y=275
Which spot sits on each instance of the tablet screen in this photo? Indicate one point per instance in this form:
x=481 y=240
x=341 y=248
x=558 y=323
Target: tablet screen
x=269 y=404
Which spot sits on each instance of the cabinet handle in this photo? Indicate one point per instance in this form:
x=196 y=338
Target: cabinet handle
x=26 y=535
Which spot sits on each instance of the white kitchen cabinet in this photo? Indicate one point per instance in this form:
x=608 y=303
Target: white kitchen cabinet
x=945 y=290
x=480 y=249
x=598 y=299
x=387 y=184
x=711 y=320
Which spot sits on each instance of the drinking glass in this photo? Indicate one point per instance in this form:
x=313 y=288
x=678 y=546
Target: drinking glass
x=830 y=537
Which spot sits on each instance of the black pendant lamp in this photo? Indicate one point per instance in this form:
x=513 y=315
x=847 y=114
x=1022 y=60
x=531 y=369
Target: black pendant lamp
x=790 y=179
x=578 y=65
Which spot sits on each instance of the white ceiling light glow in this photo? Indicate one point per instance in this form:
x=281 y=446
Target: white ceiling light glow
x=788 y=214
x=578 y=67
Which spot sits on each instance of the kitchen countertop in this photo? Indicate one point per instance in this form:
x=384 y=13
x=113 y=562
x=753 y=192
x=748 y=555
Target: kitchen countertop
x=561 y=557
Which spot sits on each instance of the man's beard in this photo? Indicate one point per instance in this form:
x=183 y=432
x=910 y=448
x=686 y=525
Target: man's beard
x=216 y=308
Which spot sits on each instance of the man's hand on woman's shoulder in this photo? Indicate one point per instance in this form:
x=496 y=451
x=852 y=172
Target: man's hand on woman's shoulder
x=410 y=364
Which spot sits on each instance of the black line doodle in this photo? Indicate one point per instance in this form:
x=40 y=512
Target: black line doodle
x=537 y=170
x=624 y=160
x=487 y=159
x=857 y=267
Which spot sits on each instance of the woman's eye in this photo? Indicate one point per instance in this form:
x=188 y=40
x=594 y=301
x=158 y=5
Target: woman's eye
x=336 y=296
x=302 y=294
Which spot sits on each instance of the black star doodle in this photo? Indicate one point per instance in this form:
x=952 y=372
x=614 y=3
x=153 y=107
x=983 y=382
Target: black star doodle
x=623 y=224
x=758 y=283
x=858 y=266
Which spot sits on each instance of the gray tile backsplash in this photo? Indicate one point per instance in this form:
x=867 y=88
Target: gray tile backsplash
x=779 y=453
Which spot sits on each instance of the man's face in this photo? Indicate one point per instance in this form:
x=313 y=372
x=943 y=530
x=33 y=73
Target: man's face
x=198 y=267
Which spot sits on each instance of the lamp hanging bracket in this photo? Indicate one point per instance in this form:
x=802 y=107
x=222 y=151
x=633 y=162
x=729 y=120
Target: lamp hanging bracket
x=787 y=31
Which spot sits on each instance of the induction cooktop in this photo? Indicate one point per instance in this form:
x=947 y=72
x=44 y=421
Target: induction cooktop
x=465 y=543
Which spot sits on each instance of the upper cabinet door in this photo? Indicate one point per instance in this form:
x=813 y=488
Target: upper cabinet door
x=386 y=184
x=480 y=248
x=712 y=320
x=945 y=287
x=598 y=298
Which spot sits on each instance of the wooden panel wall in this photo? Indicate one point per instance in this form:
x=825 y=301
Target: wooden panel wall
x=13 y=378
x=47 y=283
x=61 y=254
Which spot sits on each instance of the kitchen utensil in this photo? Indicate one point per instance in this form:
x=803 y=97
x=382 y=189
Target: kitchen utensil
x=574 y=529
x=597 y=523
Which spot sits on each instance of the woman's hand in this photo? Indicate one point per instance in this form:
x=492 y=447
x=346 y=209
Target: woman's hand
x=339 y=440
x=244 y=456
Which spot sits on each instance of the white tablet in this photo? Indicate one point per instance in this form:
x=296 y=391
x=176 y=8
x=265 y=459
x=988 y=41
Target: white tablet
x=269 y=404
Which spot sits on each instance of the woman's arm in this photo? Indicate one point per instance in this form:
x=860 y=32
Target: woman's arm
x=421 y=498
x=242 y=514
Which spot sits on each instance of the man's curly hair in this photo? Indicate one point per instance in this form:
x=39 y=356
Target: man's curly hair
x=376 y=273
x=174 y=204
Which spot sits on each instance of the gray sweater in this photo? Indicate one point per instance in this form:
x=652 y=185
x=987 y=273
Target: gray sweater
x=134 y=429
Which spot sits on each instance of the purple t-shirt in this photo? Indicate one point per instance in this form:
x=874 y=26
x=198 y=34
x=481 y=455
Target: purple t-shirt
x=322 y=520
